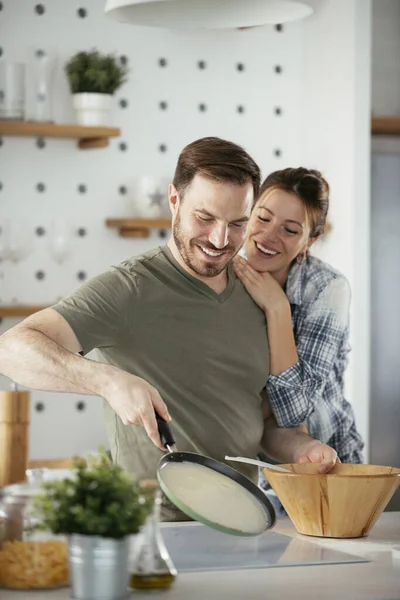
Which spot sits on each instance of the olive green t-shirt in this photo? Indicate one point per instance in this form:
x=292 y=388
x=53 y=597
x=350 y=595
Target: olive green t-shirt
x=206 y=354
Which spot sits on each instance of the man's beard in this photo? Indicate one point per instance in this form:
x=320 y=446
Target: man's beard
x=187 y=252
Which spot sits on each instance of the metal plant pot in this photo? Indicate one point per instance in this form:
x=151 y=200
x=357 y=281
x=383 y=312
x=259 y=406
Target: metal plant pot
x=99 y=567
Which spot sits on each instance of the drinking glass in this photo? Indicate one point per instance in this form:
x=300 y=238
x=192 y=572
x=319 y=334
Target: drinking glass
x=12 y=91
x=42 y=68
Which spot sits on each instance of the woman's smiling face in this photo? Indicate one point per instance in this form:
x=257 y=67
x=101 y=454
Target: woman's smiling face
x=278 y=232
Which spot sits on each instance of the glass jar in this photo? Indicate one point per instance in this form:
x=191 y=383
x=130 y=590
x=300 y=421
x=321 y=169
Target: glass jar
x=29 y=558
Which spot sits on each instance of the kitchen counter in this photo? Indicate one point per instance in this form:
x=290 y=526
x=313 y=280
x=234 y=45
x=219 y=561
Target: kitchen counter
x=375 y=580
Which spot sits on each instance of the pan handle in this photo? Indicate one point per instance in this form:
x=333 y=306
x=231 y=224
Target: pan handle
x=165 y=431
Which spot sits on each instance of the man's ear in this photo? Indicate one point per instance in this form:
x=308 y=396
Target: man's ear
x=173 y=198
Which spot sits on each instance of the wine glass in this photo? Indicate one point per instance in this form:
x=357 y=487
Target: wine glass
x=20 y=240
x=4 y=239
x=60 y=243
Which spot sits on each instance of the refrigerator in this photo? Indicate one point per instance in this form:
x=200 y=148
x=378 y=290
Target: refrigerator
x=385 y=314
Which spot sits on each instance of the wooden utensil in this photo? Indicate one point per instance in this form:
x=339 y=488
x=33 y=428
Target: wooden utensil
x=14 y=435
x=344 y=503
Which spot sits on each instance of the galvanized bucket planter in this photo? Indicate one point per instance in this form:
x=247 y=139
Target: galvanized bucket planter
x=99 y=567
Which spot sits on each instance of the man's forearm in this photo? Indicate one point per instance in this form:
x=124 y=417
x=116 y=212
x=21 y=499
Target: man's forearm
x=32 y=359
x=282 y=444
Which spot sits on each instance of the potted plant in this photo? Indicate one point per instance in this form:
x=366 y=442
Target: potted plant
x=98 y=508
x=93 y=79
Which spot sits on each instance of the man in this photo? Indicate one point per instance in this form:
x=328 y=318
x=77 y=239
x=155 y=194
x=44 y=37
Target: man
x=175 y=330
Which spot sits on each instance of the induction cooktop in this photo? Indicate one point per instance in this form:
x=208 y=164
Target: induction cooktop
x=195 y=547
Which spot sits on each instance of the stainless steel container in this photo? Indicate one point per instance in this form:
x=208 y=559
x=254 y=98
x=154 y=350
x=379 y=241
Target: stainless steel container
x=99 y=567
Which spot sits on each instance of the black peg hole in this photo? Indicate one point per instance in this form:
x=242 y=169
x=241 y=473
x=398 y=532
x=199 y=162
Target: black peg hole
x=278 y=110
x=82 y=13
x=122 y=190
x=162 y=233
x=81 y=275
x=123 y=146
x=163 y=105
x=202 y=64
x=123 y=103
x=279 y=27
x=82 y=189
x=162 y=62
x=39 y=407
x=40 y=143
x=82 y=231
x=277 y=152
x=1 y=51
x=123 y=60
x=162 y=148
x=202 y=107
x=40 y=187
x=278 y=69
x=240 y=109
x=40 y=231
x=40 y=275
x=40 y=9
x=240 y=67
x=80 y=406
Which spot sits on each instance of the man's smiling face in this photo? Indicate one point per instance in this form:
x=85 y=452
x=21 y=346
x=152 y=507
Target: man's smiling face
x=210 y=223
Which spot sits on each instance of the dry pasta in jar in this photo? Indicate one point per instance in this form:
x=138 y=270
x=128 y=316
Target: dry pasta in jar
x=33 y=564
x=29 y=558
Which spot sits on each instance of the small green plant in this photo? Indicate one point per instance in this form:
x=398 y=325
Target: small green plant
x=96 y=73
x=99 y=499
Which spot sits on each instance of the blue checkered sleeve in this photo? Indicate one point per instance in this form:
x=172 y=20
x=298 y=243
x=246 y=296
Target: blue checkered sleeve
x=320 y=339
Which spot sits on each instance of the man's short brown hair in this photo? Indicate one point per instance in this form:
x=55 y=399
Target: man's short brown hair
x=218 y=160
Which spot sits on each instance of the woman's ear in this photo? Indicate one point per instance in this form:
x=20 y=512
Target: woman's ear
x=312 y=241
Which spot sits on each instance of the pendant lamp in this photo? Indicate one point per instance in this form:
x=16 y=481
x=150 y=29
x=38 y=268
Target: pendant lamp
x=207 y=14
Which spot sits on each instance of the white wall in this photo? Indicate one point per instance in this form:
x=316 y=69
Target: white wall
x=323 y=93
x=336 y=135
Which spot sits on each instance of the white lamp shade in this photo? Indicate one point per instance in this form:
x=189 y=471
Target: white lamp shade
x=207 y=14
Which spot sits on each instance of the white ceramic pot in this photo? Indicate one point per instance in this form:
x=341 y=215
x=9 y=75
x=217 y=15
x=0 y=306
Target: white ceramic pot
x=92 y=109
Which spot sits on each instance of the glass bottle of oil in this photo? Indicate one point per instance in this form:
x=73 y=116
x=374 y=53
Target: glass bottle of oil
x=152 y=565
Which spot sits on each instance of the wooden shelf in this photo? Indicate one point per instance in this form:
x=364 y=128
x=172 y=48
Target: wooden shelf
x=138 y=228
x=88 y=137
x=19 y=310
x=385 y=125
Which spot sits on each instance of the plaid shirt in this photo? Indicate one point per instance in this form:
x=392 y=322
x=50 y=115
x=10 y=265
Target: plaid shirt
x=312 y=390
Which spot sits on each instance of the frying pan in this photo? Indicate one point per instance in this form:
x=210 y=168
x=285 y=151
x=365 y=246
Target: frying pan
x=241 y=483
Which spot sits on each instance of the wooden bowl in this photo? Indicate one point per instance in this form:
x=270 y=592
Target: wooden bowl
x=345 y=503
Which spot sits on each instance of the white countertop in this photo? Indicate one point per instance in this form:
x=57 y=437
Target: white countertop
x=375 y=580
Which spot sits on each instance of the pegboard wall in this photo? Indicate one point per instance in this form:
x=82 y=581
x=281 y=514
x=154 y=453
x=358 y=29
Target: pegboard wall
x=241 y=85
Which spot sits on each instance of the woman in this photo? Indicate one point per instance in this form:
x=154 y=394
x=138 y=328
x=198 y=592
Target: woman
x=306 y=303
